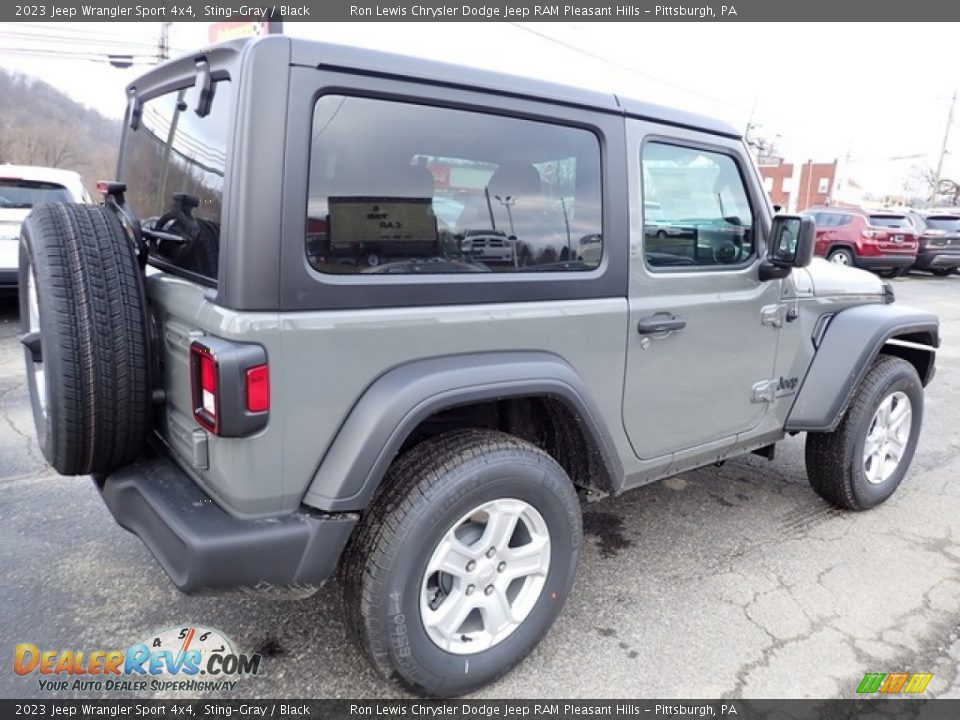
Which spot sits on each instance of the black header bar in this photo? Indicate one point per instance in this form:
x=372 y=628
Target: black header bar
x=491 y=11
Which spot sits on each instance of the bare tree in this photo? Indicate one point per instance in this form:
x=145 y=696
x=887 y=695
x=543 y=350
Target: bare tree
x=922 y=181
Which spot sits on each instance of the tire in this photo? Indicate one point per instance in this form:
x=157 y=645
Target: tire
x=943 y=272
x=841 y=256
x=836 y=466
x=424 y=497
x=893 y=273
x=84 y=321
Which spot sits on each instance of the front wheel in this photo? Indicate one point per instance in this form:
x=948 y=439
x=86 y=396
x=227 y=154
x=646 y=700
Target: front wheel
x=943 y=272
x=463 y=562
x=863 y=461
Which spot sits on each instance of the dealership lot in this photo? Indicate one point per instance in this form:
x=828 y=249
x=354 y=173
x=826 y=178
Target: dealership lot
x=732 y=581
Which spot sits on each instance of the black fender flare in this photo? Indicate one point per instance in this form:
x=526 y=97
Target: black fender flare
x=852 y=340
x=399 y=400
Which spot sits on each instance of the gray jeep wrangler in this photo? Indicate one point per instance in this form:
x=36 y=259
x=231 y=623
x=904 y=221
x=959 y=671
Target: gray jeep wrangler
x=344 y=312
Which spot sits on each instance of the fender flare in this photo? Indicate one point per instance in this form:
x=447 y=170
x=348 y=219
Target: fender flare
x=398 y=401
x=849 y=345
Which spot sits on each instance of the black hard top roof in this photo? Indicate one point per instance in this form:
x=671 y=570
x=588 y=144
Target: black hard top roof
x=342 y=57
x=312 y=53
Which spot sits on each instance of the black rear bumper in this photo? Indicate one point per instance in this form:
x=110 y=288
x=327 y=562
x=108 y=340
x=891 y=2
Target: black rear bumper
x=937 y=259
x=202 y=547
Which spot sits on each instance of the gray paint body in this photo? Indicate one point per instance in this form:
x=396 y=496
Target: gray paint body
x=357 y=362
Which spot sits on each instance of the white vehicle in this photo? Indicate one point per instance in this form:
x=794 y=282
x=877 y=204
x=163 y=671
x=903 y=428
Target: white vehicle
x=22 y=187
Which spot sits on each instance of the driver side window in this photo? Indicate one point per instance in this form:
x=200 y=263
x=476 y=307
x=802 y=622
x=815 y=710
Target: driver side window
x=696 y=211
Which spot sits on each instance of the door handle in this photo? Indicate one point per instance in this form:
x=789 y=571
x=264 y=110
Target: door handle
x=660 y=324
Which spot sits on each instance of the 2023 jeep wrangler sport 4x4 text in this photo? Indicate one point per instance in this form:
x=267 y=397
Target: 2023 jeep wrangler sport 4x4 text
x=278 y=352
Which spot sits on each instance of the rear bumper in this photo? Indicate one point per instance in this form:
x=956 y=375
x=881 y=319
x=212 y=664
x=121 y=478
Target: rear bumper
x=202 y=547
x=8 y=279
x=885 y=262
x=937 y=258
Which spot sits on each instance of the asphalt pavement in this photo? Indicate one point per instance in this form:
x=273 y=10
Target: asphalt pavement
x=732 y=581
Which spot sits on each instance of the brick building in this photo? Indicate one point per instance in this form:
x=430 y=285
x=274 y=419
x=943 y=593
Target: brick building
x=777 y=181
x=816 y=184
x=797 y=188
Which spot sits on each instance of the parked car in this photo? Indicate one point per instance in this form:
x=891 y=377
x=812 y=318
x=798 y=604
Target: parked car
x=263 y=420
x=488 y=246
x=21 y=188
x=885 y=242
x=939 y=250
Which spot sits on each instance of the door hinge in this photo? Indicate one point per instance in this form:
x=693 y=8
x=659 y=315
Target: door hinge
x=773 y=315
x=763 y=391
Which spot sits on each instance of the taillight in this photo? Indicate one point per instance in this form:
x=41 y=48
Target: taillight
x=230 y=386
x=204 y=381
x=258 y=389
x=869 y=233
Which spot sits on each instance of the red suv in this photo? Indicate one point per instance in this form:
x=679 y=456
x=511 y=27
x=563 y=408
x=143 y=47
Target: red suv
x=881 y=241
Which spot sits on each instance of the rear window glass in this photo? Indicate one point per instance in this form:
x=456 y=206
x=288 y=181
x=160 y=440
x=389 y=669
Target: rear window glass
x=17 y=193
x=947 y=223
x=397 y=188
x=891 y=221
x=174 y=165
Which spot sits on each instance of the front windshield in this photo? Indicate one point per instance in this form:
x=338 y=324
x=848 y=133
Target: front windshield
x=18 y=193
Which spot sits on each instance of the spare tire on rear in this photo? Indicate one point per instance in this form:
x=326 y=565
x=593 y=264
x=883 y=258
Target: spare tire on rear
x=85 y=325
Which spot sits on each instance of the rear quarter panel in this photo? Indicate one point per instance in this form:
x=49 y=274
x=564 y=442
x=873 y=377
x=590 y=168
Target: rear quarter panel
x=322 y=361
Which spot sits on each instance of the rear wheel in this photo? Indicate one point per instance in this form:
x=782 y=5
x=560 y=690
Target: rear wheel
x=863 y=461
x=84 y=330
x=463 y=562
x=942 y=272
x=841 y=256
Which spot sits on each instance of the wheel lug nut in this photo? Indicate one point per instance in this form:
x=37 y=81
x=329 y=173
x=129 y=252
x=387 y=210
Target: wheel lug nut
x=501 y=567
x=470 y=566
x=488 y=590
x=491 y=552
x=470 y=589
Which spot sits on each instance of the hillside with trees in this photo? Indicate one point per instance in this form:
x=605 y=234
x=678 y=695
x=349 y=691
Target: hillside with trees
x=39 y=125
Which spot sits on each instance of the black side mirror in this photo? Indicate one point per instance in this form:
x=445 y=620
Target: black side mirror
x=791 y=245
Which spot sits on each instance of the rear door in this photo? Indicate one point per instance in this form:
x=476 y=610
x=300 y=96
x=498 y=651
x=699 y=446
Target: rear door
x=691 y=389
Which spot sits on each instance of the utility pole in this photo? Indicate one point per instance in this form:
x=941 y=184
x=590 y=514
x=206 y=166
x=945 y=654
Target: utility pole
x=943 y=151
x=750 y=125
x=163 y=46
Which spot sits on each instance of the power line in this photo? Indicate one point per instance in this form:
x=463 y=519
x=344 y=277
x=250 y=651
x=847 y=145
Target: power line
x=628 y=68
x=795 y=133
x=58 y=39
x=81 y=55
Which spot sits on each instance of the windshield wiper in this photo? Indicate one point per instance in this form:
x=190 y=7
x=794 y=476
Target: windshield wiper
x=17 y=205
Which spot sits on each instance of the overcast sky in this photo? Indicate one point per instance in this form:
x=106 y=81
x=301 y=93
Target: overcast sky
x=876 y=93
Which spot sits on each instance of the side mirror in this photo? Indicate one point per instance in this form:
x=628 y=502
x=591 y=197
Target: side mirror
x=791 y=245
x=792 y=238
